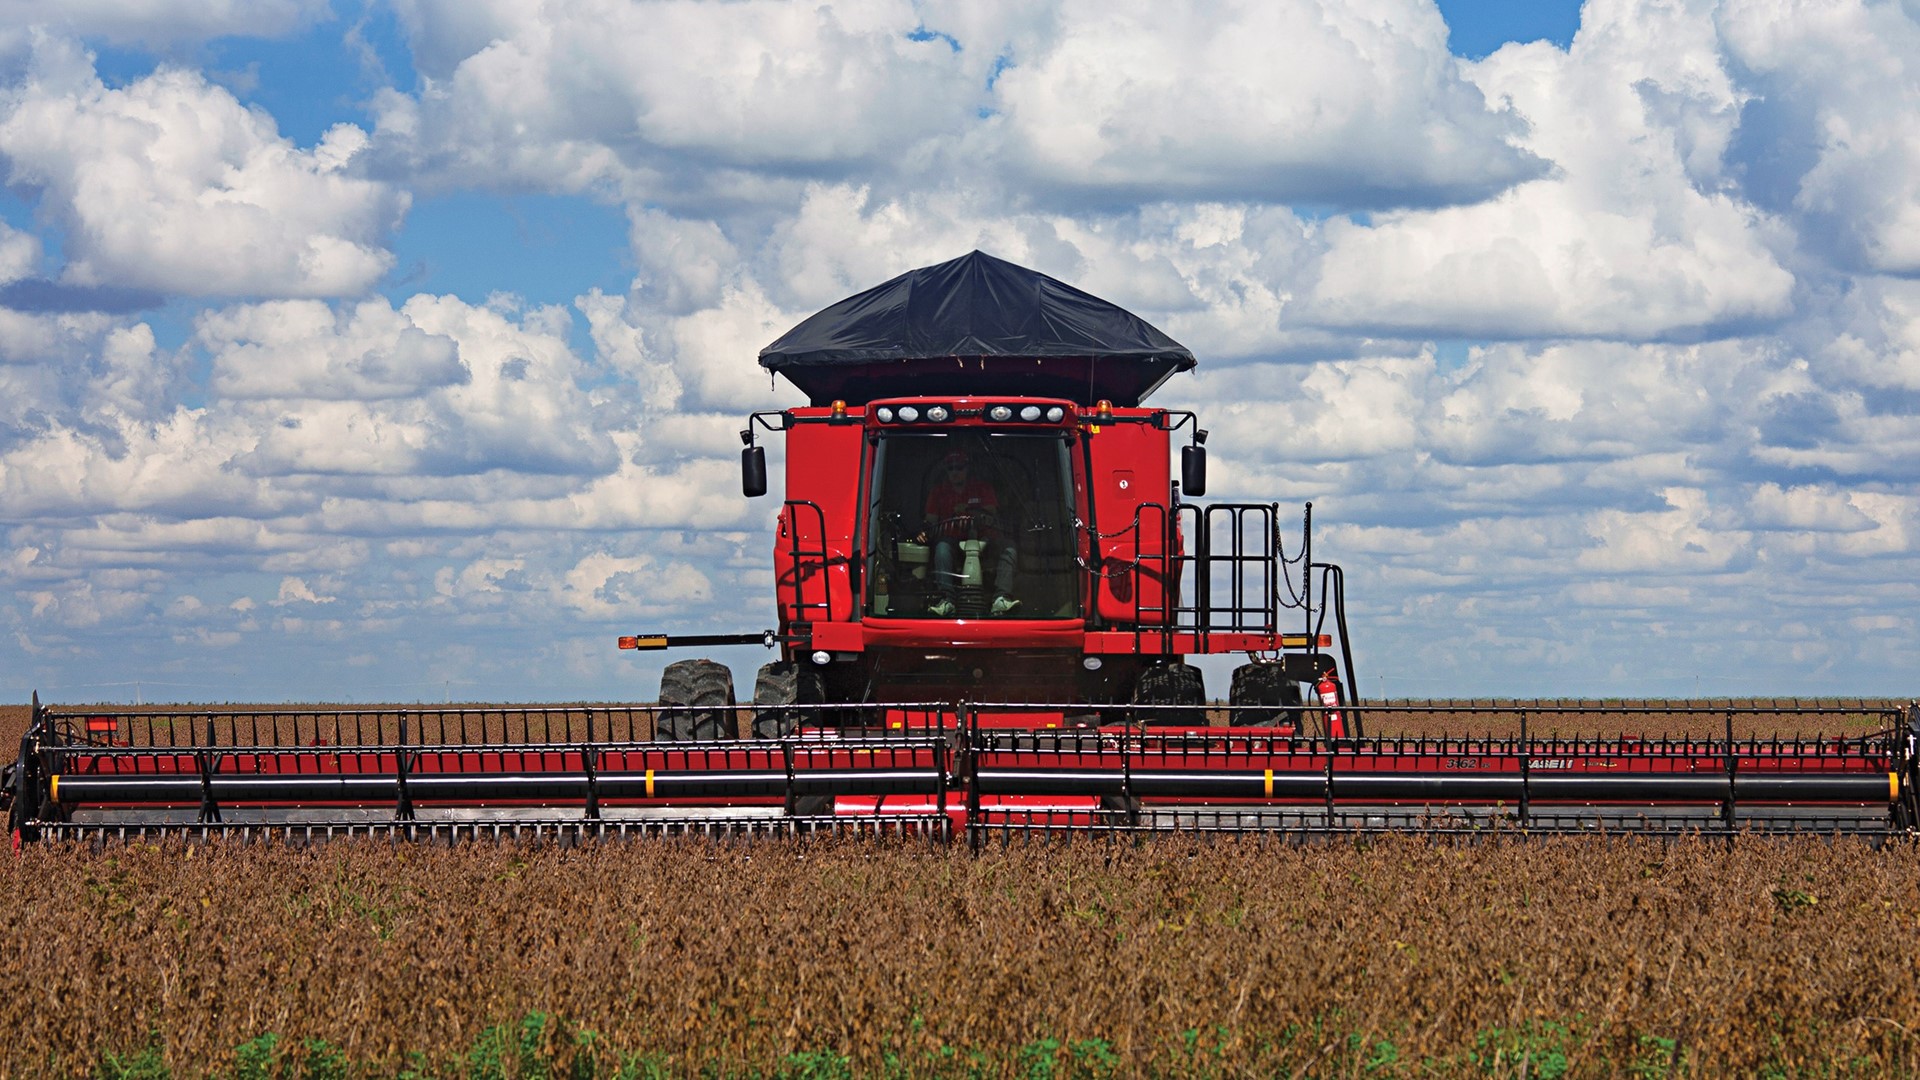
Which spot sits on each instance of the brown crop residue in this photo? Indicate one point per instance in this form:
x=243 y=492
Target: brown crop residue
x=13 y=724
x=1263 y=957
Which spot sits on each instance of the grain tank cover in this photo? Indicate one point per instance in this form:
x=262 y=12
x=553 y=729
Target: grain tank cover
x=979 y=326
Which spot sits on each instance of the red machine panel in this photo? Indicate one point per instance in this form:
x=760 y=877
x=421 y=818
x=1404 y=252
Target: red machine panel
x=1130 y=482
x=813 y=547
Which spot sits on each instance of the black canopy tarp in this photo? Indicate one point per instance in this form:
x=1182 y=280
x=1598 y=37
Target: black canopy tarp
x=978 y=326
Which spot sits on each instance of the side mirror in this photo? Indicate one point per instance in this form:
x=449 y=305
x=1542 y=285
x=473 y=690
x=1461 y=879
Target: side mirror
x=753 y=472
x=1193 y=470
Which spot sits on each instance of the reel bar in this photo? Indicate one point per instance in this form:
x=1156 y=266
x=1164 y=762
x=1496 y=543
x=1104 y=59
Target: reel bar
x=973 y=767
x=1344 y=787
x=529 y=727
x=1485 y=823
x=483 y=788
x=930 y=827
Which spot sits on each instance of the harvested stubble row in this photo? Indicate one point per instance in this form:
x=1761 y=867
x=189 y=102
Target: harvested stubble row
x=1401 y=956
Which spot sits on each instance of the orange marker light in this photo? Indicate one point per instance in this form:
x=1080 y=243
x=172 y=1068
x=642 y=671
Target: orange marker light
x=839 y=410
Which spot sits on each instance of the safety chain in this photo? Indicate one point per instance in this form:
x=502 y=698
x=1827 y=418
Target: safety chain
x=1295 y=598
x=1121 y=567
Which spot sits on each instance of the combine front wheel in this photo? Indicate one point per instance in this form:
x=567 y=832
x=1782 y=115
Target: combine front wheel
x=780 y=686
x=1171 y=684
x=697 y=700
x=1263 y=696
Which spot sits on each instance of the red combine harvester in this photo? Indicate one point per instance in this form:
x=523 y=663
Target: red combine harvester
x=989 y=583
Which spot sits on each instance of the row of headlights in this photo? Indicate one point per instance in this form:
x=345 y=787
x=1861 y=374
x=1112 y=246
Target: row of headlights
x=940 y=414
x=911 y=414
x=1030 y=413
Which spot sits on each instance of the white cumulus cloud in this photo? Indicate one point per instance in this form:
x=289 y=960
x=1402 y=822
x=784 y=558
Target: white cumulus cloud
x=1838 y=76
x=648 y=95
x=1351 y=102
x=1347 y=102
x=305 y=349
x=164 y=22
x=171 y=184
x=1633 y=236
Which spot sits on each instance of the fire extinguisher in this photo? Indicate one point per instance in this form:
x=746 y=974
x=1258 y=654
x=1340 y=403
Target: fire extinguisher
x=1329 y=690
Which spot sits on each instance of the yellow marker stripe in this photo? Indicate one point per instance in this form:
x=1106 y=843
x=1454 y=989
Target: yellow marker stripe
x=1893 y=786
x=657 y=641
x=649 y=783
x=55 y=795
x=1269 y=783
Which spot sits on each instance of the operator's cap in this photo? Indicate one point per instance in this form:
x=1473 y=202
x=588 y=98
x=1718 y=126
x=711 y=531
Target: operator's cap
x=957 y=457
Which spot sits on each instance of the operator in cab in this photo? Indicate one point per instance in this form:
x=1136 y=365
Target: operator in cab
x=962 y=507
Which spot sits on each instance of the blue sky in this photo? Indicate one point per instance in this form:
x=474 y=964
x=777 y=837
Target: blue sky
x=394 y=349
x=1476 y=28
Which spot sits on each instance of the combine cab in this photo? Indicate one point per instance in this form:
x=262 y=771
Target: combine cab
x=979 y=507
x=990 y=580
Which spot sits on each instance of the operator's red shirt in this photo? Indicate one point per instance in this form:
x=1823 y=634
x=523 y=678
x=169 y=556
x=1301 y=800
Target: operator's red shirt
x=945 y=502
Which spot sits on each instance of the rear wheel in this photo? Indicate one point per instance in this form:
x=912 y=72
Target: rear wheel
x=1171 y=684
x=1263 y=696
x=696 y=698
x=779 y=686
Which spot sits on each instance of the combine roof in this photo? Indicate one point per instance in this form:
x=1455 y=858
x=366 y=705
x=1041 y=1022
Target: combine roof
x=978 y=326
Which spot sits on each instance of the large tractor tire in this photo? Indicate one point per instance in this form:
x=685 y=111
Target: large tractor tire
x=780 y=685
x=1263 y=696
x=697 y=702
x=1171 y=684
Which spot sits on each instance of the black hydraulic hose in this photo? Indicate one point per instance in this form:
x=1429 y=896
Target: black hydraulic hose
x=24 y=798
x=1333 y=590
x=1306 y=568
x=1346 y=651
